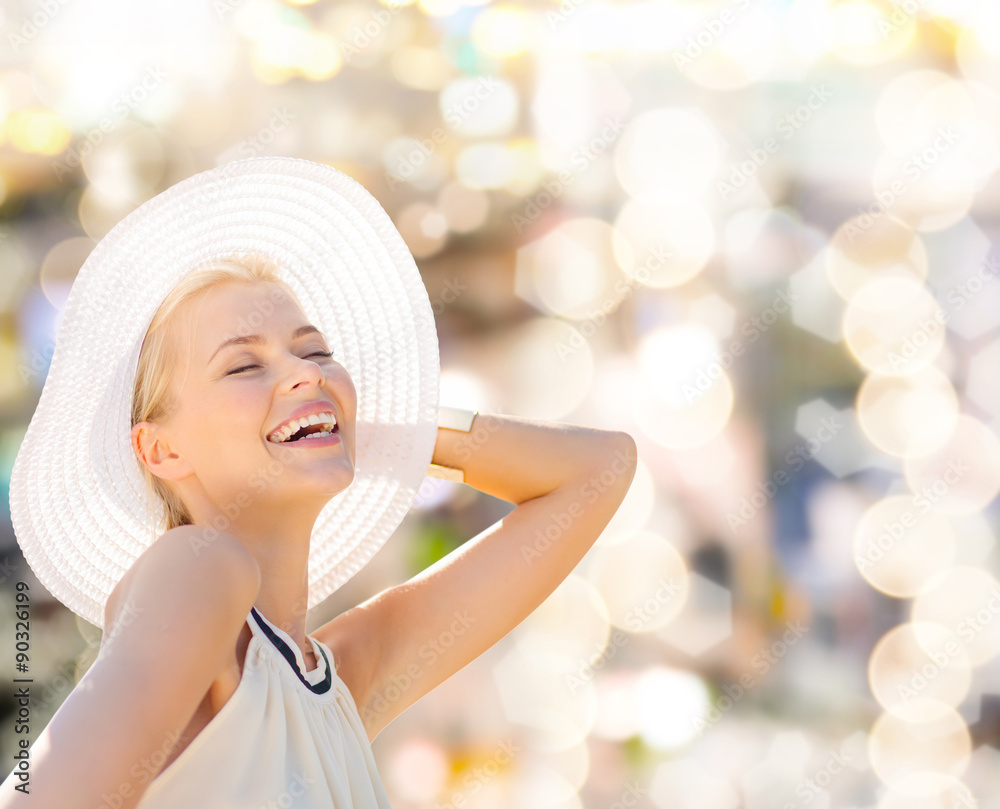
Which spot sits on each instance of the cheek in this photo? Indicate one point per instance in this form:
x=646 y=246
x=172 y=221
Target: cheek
x=229 y=415
x=346 y=391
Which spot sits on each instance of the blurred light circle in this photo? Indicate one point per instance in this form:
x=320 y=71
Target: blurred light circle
x=321 y=57
x=893 y=325
x=692 y=782
x=366 y=34
x=60 y=267
x=967 y=112
x=466 y=386
x=867 y=32
x=684 y=427
x=128 y=164
x=537 y=787
x=901 y=751
x=545 y=692
x=687 y=398
x=573 y=270
x=408 y=159
x=976 y=50
x=642 y=579
x=268 y=71
x=283 y=47
x=669 y=704
x=465 y=208
x=38 y=131
x=488 y=165
x=547 y=371
x=98 y=213
x=615 y=380
x=981 y=386
x=864 y=248
x=572 y=763
x=439 y=8
x=668 y=150
x=572 y=621
x=504 y=30
x=575 y=101
x=806 y=31
x=726 y=53
x=617 y=719
x=912 y=674
x=679 y=362
x=479 y=105
x=927 y=791
x=527 y=173
x=663 y=239
x=921 y=106
x=963 y=474
x=930 y=188
x=423 y=228
x=421 y=68
x=433 y=224
x=900 y=546
x=908 y=416
x=975 y=537
x=897 y=105
x=966 y=601
x=202 y=122
x=419 y=770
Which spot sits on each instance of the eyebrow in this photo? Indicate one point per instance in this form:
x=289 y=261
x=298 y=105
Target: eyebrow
x=256 y=339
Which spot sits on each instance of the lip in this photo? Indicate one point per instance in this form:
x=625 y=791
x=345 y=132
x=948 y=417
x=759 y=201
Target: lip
x=308 y=409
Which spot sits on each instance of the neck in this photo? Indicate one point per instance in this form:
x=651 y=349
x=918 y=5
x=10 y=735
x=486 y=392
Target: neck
x=278 y=537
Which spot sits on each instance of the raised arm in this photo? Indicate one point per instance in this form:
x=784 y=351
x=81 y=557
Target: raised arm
x=155 y=666
x=566 y=481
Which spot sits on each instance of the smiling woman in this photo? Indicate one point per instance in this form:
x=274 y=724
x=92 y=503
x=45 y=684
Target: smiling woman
x=281 y=405
x=228 y=396
x=159 y=355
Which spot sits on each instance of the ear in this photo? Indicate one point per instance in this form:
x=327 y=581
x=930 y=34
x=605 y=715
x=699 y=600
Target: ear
x=151 y=447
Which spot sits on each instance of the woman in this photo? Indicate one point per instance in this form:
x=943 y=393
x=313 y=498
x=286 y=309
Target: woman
x=206 y=690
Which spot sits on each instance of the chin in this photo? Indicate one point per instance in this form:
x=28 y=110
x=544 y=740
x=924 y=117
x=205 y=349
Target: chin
x=334 y=483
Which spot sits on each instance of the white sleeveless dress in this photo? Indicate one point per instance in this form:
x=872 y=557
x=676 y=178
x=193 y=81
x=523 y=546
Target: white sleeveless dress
x=285 y=738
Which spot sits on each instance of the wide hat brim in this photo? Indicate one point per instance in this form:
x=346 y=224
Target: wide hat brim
x=77 y=494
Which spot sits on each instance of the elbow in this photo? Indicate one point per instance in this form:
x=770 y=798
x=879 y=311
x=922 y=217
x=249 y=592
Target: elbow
x=630 y=451
x=626 y=444
x=619 y=458
x=624 y=449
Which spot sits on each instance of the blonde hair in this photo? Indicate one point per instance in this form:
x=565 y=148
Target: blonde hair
x=151 y=399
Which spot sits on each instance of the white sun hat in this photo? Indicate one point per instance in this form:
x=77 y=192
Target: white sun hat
x=78 y=497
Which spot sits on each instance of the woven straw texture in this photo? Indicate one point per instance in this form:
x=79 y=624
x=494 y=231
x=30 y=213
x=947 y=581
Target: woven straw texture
x=77 y=495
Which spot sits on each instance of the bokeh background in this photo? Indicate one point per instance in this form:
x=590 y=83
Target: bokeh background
x=758 y=236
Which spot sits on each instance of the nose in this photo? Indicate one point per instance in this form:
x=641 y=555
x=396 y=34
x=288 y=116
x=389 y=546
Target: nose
x=304 y=372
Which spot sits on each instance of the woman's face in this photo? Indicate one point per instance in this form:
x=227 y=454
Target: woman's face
x=230 y=397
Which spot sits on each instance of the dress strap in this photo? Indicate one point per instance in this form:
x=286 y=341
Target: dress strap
x=286 y=651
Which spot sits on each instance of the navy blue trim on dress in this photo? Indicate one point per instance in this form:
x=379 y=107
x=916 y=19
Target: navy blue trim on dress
x=318 y=688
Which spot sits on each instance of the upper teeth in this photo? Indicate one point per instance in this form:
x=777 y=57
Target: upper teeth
x=327 y=419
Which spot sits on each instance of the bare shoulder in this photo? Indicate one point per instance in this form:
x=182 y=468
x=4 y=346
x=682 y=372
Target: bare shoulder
x=183 y=590
x=171 y=631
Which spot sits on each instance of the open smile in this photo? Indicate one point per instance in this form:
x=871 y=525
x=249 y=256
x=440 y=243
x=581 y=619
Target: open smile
x=314 y=429
x=314 y=440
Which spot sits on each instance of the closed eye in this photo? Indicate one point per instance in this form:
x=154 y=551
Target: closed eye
x=248 y=367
